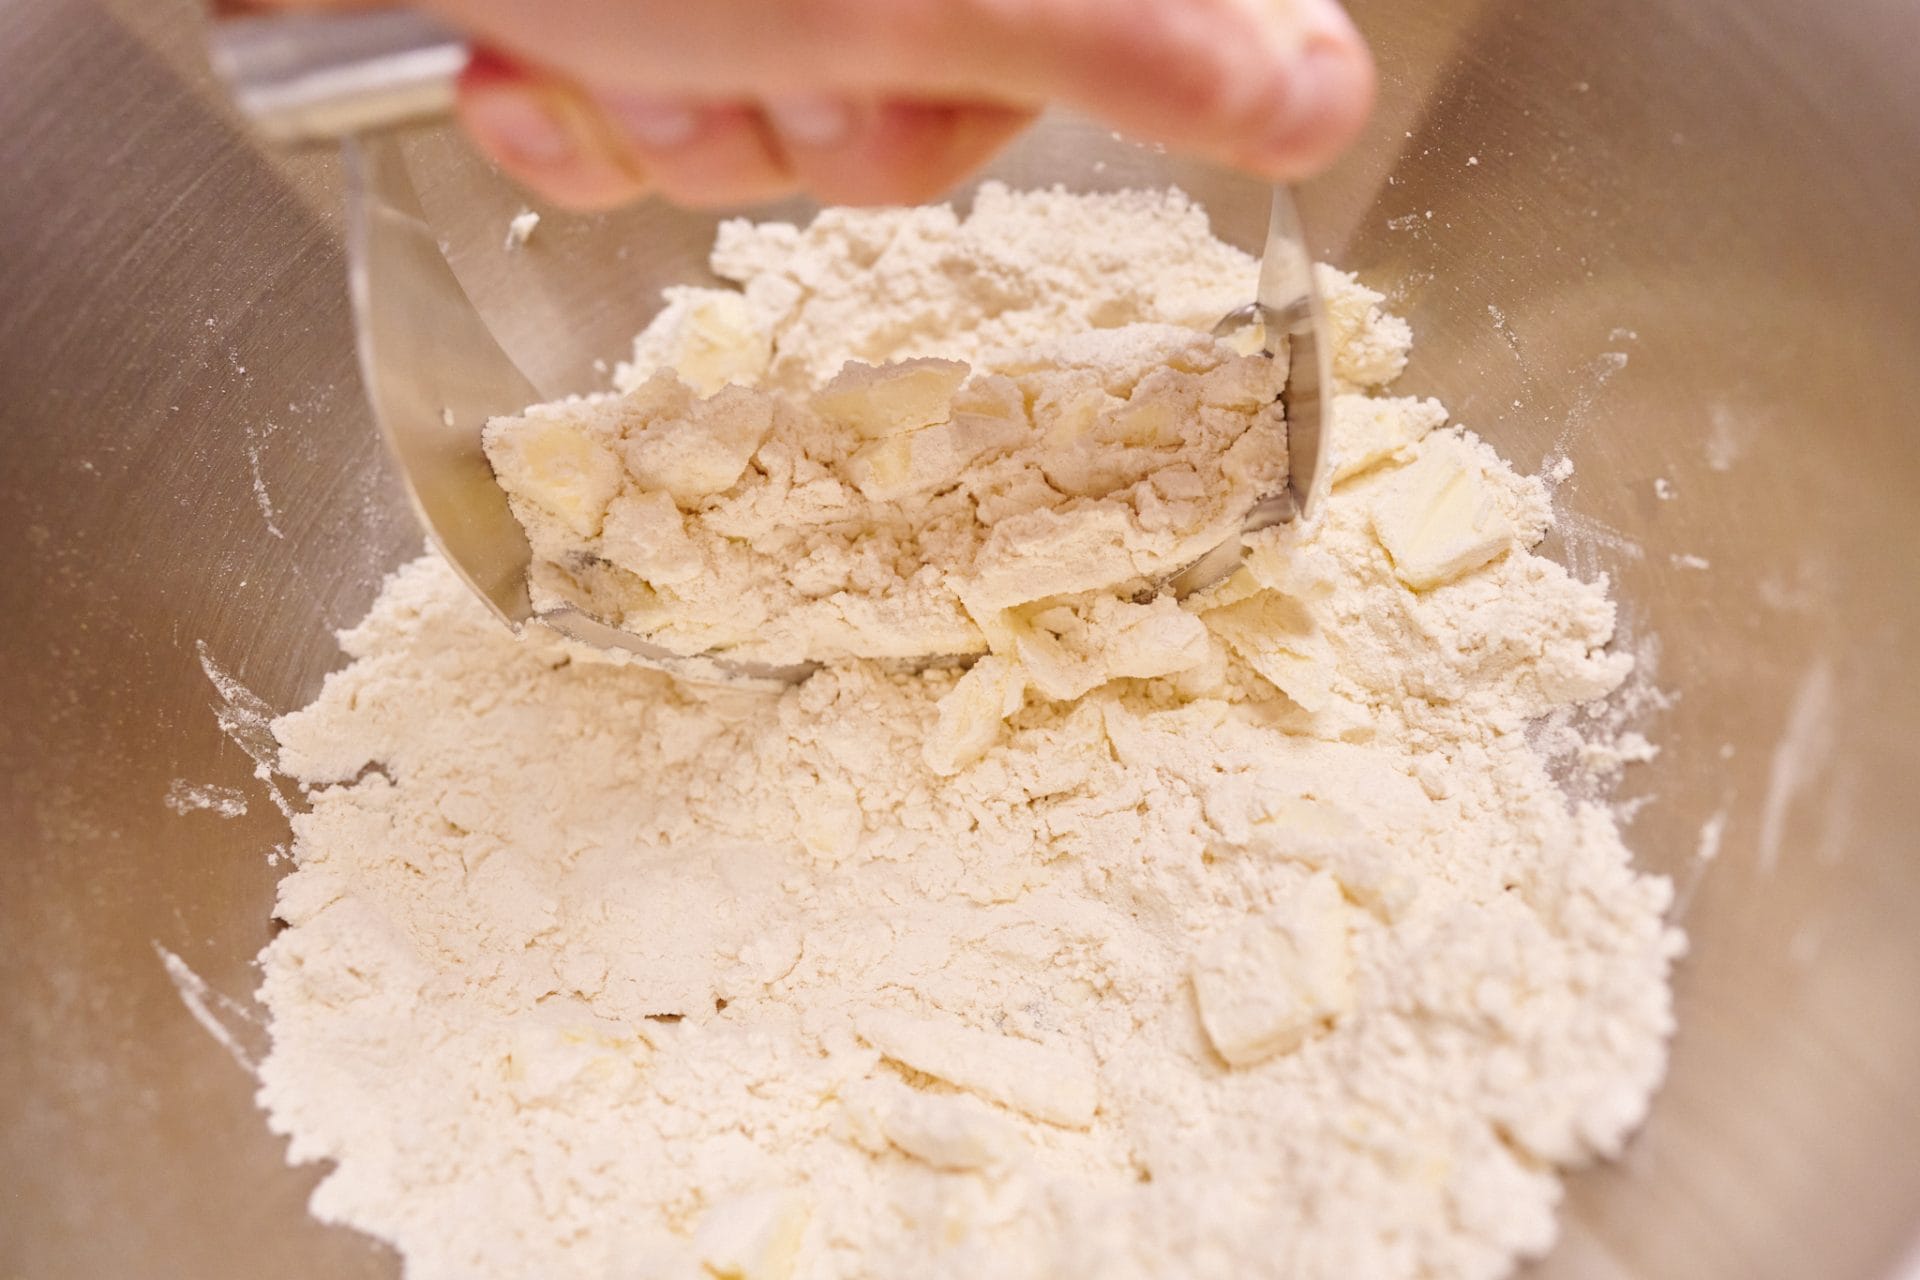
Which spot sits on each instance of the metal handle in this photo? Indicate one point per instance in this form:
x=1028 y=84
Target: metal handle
x=304 y=77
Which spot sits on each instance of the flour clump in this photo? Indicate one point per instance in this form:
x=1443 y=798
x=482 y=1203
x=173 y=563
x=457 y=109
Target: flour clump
x=1234 y=935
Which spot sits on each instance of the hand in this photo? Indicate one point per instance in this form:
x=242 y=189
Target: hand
x=594 y=103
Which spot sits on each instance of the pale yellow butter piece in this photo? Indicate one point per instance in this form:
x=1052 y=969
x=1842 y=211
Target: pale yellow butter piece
x=550 y=1061
x=992 y=395
x=1369 y=430
x=706 y=451
x=646 y=535
x=1239 y=585
x=879 y=470
x=1041 y=553
x=1075 y=416
x=752 y=1236
x=557 y=464
x=1319 y=834
x=1053 y=657
x=1246 y=385
x=1267 y=985
x=885 y=400
x=1247 y=340
x=1067 y=651
x=1146 y=420
x=718 y=343
x=971 y=714
x=1275 y=635
x=1143 y=641
x=946 y=1131
x=1047 y=1083
x=1438 y=518
x=913 y=462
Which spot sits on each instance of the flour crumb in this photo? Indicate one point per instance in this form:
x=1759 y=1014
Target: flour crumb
x=257 y=477
x=226 y=1020
x=185 y=797
x=1713 y=833
x=521 y=228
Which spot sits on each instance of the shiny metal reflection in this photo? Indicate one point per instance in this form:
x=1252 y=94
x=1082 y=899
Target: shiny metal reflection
x=1290 y=310
x=434 y=375
x=306 y=77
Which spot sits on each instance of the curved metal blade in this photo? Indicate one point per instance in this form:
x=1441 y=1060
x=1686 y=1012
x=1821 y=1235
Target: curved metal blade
x=1290 y=306
x=310 y=77
x=434 y=375
x=1287 y=305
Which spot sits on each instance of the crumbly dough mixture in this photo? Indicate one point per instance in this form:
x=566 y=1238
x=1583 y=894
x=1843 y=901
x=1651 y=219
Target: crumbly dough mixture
x=1243 y=935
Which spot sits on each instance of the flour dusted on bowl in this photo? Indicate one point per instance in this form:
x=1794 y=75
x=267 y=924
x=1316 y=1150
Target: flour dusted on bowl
x=1239 y=935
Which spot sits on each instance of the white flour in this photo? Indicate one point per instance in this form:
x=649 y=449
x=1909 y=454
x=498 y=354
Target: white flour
x=1239 y=937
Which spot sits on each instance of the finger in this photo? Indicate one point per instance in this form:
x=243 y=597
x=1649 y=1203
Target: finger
x=546 y=136
x=1278 y=85
x=699 y=154
x=1330 y=98
x=888 y=153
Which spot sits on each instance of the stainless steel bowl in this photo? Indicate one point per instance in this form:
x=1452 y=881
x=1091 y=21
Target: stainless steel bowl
x=1677 y=240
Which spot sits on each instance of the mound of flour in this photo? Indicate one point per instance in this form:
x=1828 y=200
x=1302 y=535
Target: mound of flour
x=1236 y=936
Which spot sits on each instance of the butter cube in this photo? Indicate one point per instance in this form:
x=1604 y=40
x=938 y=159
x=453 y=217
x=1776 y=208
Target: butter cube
x=971 y=715
x=1144 y=641
x=879 y=469
x=1324 y=837
x=718 y=343
x=1368 y=430
x=704 y=453
x=945 y=1131
x=885 y=400
x=1244 y=385
x=913 y=462
x=1269 y=984
x=1147 y=420
x=1073 y=417
x=1438 y=518
x=1276 y=636
x=1053 y=654
x=1066 y=654
x=1046 y=1083
x=992 y=395
x=559 y=465
x=752 y=1236
x=646 y=535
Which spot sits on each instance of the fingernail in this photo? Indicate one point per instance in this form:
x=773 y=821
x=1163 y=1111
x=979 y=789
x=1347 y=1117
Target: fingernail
x=519 y=121
x=652 y=122
x=809 y=120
